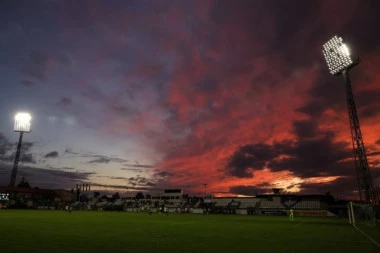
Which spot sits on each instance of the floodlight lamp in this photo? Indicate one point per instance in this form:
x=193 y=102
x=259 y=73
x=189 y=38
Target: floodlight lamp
x=337 y=55
x=22 y=122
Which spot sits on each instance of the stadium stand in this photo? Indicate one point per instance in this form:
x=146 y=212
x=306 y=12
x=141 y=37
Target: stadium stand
x=222 y=202
x=248 y=202
x=308 y=204
x=265 y=204
x=289 y=203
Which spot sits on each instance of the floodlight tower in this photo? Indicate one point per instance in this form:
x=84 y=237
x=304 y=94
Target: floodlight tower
x=339 y=62
x=22 y=125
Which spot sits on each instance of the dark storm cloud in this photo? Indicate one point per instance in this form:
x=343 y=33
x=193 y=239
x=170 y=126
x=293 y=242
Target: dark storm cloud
x=141 y=181
x=373 y=153
x=368 y=112
x=119 y=178
x=264 y=185
x=70 y=152
x=95 y=158
x=343 y=186
x=27 y=83
x=132 y=169
x=305 y=128
x=67 y=168
x=27 y=158
x=44 y=178
x=142 y=166
x=103 y=159
x=327 y=92
x=310 y=157
x=367 y=103
x=311 y=154
x=100 y=160
x=5 y=145
x=163 y=174
x=52 y=154
x=250 y=157
x=133 y=182
x=245 y=190
x=24 y=158
x=8 y=151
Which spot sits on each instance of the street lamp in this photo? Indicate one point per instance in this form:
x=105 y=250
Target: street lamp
x=22 y=125
x=339 y=62
x=205 y=186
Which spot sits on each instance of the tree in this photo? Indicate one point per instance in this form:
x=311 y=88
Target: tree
x=139 y=195
x=23 y=183
x=116 y=196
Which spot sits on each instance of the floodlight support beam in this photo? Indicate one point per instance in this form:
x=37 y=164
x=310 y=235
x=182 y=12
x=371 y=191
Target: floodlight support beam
x=365 y=188
x=205 y=186
x=15 y=164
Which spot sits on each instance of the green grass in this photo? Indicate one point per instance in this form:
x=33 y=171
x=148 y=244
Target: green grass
x=82 y=231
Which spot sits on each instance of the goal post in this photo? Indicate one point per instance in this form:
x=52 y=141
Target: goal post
x=362 y=214
x=349 y=212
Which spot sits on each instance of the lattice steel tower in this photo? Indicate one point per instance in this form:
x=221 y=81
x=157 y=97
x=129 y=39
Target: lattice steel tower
x=339 y=61
x=22 y=125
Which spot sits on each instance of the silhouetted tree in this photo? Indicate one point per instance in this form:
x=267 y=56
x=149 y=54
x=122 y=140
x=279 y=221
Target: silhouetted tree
x=139 y=195
x=23 y=183
x=116 y=196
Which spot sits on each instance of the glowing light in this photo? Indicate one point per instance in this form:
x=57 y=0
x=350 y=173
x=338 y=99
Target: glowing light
x=4 y=196
x=22 y=122
x=337 y=55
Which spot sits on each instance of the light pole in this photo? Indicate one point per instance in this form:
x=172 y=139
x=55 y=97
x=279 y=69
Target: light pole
x=22 y=125
x=205 y=186
x=339 y=62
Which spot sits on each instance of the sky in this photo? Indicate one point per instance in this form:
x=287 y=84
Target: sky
x=148 y=95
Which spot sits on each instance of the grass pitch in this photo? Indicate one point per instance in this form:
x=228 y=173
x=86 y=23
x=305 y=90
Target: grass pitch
x=92 y=231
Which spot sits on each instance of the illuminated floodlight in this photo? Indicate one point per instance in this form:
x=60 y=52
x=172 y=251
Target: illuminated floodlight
x=337 y=55
x=22 y=122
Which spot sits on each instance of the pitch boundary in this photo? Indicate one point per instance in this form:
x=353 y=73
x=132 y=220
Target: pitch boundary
x=370 y=238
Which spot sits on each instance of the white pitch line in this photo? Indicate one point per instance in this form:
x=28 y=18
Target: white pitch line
x=370 y=238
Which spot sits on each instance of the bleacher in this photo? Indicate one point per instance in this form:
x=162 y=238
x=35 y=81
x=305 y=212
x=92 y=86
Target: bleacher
x=289 y=203
x=222 y=202
x=266 y=204
x=248 y=202
x=101 y=204
x=118 y=202
x=308 y=204
x=234 y=204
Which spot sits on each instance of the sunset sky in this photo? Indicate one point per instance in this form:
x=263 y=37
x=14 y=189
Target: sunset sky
x=157 y=94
